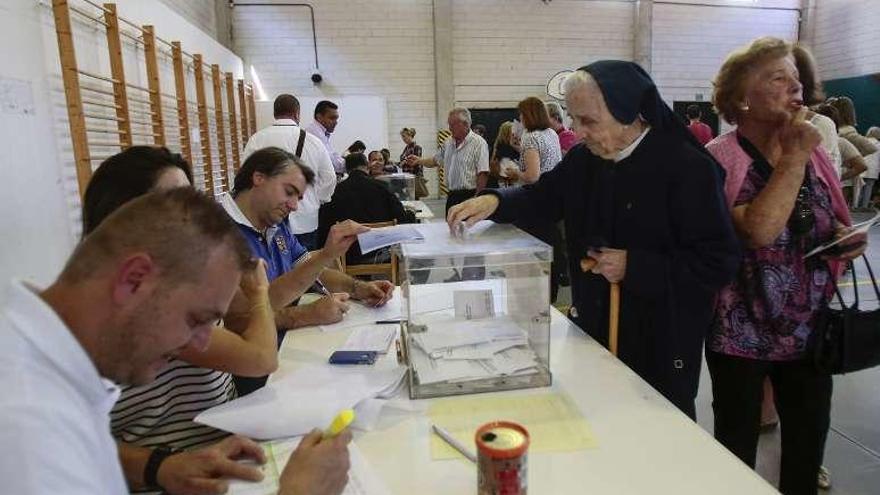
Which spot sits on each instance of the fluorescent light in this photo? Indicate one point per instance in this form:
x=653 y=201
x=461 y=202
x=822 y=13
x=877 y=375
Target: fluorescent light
x=261 y=94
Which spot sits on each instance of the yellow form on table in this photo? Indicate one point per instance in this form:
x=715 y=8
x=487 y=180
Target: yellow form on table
x=554 y=423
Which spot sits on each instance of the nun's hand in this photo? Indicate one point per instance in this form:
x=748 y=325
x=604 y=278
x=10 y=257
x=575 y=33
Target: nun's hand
x=610 y=263
x=472 y=211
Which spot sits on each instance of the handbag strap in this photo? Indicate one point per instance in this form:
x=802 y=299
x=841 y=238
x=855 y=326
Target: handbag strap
x=871 y=273
x=852 y=268
x=849 y=264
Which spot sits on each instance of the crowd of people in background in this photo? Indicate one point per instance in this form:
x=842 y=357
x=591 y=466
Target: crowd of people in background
x=702 y=232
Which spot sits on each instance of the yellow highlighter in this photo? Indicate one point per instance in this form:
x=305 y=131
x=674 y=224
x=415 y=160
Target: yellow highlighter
x=339 y=423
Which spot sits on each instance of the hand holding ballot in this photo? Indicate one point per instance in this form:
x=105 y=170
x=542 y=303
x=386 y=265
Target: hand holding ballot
x=340 y=237
x=852 y=243
x=849 y=242
x=471 y=211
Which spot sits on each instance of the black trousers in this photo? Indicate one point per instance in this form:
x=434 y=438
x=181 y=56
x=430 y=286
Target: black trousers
x=803 y=400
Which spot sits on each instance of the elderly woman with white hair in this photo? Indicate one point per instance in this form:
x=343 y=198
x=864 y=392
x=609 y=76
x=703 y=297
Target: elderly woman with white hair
x=644 y=200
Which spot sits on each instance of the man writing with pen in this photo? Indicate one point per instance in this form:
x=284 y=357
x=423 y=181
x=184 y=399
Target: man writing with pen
x=267 y=189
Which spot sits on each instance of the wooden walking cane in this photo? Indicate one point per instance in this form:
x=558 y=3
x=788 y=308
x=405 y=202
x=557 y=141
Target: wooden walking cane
x=587 y=264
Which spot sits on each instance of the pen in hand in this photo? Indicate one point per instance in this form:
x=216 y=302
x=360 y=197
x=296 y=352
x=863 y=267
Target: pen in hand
x=339 y=423
x=321 y=287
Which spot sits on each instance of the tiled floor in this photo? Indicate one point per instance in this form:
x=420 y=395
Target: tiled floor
x=852 y=453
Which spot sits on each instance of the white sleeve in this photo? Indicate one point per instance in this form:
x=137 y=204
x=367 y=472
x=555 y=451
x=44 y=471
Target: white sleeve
x=249 y=148
x=325 y=174
x=483 y=161
x=47 y=451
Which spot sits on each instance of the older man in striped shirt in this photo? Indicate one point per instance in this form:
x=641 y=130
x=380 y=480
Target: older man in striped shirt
x=465 y=159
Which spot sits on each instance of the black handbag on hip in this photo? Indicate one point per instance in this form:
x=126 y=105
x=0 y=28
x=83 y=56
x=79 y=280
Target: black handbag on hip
x=847 y=339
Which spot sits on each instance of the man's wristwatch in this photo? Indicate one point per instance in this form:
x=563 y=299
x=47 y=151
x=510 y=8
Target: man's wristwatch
x=151 y=470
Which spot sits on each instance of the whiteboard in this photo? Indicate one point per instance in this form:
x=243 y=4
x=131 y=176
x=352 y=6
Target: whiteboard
x=360 y=117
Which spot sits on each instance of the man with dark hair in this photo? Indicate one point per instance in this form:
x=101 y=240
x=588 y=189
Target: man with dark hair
x=268 y=187
x=151 y=279
x=362 y=199
x=357 y=147
x=326 y=118
x=285 y=133
x=286 y=107
x=701 y=131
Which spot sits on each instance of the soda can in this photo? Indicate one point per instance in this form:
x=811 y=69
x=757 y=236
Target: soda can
x=502 y=458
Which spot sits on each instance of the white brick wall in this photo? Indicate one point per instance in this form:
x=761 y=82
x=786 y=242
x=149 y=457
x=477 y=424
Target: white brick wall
x=502 y=50
x=691 y=41
x=846 y=37
x=199 y=12
x=379 y=47
x=506 y=50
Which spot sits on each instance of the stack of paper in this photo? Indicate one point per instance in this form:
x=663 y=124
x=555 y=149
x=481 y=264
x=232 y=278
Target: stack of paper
x=362 y=480
x=371 y=338
x=456 y=351
x=306 y=399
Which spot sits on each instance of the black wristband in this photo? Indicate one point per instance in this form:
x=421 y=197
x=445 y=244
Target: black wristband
x=151 y=470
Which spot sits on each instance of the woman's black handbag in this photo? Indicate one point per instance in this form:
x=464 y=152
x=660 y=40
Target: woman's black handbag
x=847 y=339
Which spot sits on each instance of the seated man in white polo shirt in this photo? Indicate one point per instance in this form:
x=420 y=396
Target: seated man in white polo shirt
x=152 y=279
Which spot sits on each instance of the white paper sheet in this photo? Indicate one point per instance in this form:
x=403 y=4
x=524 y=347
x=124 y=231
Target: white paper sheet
x=388 y=236
x=480 y=351
x=362 y=314
x=511 y=361
x=442 y=335
x=371 y=338
x=308 y=398
x=858 y=228
x=363 y=480
x=473 y=304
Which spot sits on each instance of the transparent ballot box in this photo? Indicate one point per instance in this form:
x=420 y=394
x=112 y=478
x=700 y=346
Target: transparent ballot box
x=477 y=310
x=402 y=184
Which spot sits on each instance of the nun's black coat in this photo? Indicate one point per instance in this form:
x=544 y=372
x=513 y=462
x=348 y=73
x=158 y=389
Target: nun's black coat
x=664 y=205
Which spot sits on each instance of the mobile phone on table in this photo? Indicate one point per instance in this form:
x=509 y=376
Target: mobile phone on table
x=353 y=357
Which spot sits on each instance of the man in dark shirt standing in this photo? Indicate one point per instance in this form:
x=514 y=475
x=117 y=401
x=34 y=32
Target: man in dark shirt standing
x=363 y=199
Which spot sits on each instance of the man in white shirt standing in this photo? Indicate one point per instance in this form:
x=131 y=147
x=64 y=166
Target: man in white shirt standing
x=285 y=133
x=326 y=118
x=465 y=158
x=153 y=278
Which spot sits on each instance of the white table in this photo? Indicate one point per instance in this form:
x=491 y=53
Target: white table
x=646 y=446
x=421 y=209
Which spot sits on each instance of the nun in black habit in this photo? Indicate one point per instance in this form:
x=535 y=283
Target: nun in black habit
x=641 y=196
